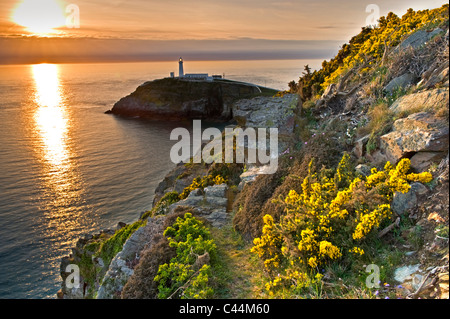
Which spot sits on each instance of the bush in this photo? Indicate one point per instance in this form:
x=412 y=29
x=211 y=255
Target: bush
x=370 y=45
x=329 y=220
x=141 y=284
x=186 y=274
x=163 y=204
x=202 y=182
x=256 y=199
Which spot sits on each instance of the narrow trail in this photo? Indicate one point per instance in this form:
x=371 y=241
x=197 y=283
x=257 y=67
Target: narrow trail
x=240 y=275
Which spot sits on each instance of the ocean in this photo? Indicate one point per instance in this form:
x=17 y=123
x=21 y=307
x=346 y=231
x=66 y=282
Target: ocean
x=68 y=169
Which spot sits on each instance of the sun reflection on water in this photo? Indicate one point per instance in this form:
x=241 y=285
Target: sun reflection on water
x=50 y=116
x=61 y=185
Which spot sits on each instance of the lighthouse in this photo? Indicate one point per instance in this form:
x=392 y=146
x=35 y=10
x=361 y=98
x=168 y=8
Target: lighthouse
x=180 y=69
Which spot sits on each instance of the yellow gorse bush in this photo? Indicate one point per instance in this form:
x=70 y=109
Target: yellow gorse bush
x=328 y=220
x=201 y=183
x=389 y=32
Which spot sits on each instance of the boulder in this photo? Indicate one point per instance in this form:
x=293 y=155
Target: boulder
x=216 y=190
x=217 y=217
x=422 y=101
x=419 y=132
x=404 y=202
x=421 y=161
x=360 y=146
x=417 y=39
x=400 y=82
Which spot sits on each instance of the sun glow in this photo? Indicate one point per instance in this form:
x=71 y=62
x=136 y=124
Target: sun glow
x=40 y=16
x=50 y=115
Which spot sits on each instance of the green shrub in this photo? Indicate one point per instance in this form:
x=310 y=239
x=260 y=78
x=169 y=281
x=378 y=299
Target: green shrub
x=185 y=276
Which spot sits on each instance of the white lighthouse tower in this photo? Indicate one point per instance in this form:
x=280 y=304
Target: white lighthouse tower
x=180 y=69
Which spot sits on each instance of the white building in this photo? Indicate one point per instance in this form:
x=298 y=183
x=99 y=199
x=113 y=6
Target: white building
x=193 y=76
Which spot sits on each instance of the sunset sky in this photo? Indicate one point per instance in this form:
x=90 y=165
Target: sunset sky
x=201 y=29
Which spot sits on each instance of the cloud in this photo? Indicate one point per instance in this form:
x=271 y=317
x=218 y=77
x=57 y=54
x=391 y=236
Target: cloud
x=59 y=50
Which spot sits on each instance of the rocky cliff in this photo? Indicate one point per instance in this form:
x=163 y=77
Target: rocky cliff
x=386 y=116
x=176 y=99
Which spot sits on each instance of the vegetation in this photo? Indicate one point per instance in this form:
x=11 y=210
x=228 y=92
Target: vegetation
x=201 y=183
x=104 y=247
x=186 y=275
x=332 y=219
x=310 y=229
x=369 y=48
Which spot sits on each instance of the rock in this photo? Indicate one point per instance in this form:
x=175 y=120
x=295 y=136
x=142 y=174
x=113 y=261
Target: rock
x=360 y=146
x=216 y=190
x=419 y=132
x=402 y=273
x=443 y=285
x=422 y=101
x=406 y=275
x=119 y=270
x=250 y=175
x=217 y=217
x=403 y=202
x=362 y=169
x=417 y=39
x=419 y=188
x=120 y=225
x=421 y=161
x=190 y=201
x=434 y=76
x=196 y=192
x=211 y=204
x=400 y=82
x=266 y=112
x=178 y=99
x=216 y=201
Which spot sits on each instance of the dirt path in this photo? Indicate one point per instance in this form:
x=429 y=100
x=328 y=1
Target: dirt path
x=240 y=275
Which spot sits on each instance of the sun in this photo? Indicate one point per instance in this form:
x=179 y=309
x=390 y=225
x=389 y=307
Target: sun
x=39 y=16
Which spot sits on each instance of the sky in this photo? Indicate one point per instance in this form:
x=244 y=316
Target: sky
x=103 y=30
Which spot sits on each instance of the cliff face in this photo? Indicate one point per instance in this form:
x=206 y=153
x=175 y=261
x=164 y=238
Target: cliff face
x=182 y=99
x=376 y=118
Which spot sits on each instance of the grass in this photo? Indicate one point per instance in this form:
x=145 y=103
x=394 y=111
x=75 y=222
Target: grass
x=381 y=119
x=234 y=274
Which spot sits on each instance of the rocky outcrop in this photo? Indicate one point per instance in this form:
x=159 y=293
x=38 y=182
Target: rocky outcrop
x=400 y=82
x=186 y=99
x=210 y=204
x=121 y=267
x=422 y=101
x=266 y=112
x=420 y=133
x=417 y=39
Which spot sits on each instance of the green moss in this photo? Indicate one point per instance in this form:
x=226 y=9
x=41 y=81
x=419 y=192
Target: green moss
x=113 y=245
x=161 y=206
